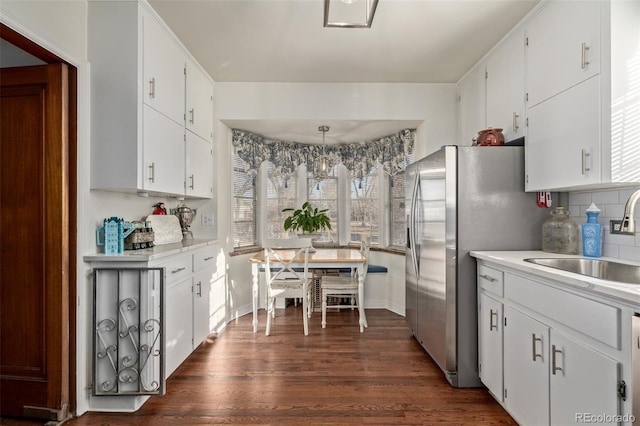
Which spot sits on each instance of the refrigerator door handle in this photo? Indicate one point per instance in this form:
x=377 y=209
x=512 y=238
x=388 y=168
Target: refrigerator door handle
x=414 y=206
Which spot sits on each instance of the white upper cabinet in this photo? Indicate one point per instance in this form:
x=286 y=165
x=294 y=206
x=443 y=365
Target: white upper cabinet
x=580 y=96
x=138 y=101
x=563 y=48
x=163 y=66
x=471 y=91
x=505 y=87
x=199 y=110
x=199 y=167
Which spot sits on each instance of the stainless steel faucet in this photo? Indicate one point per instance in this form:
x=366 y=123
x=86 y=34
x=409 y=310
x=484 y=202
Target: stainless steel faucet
x=627 y=225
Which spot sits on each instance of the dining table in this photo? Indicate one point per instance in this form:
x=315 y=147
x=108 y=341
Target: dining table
x=319 y=258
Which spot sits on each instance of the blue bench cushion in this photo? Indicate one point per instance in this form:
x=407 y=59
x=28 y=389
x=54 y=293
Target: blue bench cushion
x=372 y=269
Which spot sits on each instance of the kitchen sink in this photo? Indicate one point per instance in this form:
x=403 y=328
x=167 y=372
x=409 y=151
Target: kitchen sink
x=603 y=269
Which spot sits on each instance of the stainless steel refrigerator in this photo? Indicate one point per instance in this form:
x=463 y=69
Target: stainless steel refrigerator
x=461 y=199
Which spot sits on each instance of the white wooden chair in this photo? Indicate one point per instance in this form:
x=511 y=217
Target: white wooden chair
x=344 y=287
x=287 y=275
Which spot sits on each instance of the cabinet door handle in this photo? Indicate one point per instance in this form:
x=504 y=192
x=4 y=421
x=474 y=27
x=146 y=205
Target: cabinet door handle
x=585 y=58
x=554 y=364
x=515 y=122
x=175 y=271
x=535 y=339
x=493 y=314
x=191 y=178
x=208 y=258
x=152 y=88
x=585 y=166
x=199 y=289
x=152 y=172
x=488 y=278
x=191 y=116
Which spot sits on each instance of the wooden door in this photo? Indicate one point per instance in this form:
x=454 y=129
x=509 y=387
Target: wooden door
x=34 y=242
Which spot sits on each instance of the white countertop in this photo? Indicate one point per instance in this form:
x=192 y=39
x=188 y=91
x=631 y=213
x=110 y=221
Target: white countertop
x=149 y=254
x=628 y=293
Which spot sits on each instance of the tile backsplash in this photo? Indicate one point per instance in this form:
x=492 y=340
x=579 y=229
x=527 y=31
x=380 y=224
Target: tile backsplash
x=611 y=202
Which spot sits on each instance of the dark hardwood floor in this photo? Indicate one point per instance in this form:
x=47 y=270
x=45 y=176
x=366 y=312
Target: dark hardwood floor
x=335 y=375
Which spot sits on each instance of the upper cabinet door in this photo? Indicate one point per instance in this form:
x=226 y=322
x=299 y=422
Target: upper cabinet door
x=199 y=109
x=199 y=167
x=163 y=67
x=472 y=105
x=563 y=48
x=505 y=87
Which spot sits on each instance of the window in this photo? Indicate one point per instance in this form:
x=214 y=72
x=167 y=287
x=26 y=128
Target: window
x=281 y=194
x=365 y=208
x=323 y=194
x=244 y=203
x=397 y=212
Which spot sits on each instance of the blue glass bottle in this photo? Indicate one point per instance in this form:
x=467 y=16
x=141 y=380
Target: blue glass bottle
x=592 y=233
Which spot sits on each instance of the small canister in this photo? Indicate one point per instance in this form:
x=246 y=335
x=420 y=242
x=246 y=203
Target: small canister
x=560 y=234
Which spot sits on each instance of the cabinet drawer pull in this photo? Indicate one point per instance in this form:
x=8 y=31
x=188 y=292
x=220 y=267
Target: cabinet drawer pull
x=191 y=178
x=208 y=258
x=191 y=116
x=554 y=366
x=488 y=278
x=152 y=88
x=585 y=156
x=493 y=314
x=535 y=339
x=515 y=121
x=175 y=271
x=585 y=51
x=152 y=172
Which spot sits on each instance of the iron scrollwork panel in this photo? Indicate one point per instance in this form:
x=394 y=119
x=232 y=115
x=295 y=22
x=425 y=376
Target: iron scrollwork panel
x=128 y=324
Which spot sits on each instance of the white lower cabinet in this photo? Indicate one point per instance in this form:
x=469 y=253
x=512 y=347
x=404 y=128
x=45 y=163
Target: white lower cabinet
x=490 y=344
x=526 y=368
x=178 y=324
x=188 y=303
x=201 y=298
x=582 y=380
x=559 y=355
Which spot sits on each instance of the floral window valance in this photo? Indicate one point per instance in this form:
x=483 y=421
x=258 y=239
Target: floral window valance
x=392 y=152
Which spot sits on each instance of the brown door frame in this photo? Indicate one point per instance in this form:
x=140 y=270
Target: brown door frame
x=22 y=42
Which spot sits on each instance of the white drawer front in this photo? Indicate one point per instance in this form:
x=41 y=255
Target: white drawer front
x=491 y=280
x=597 y=320
x=177 y=269
x=203 y=259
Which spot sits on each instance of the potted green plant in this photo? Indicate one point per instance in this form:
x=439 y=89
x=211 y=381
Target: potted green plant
x=307 y=219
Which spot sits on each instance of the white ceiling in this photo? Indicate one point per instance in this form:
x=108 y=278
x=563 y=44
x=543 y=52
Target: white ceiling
x=410 y=41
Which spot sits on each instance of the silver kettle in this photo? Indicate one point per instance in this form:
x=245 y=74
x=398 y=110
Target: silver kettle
x=185 y=216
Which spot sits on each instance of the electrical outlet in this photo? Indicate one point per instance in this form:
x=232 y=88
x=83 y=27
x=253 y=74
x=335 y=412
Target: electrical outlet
x=206 y=219
x=616 y=228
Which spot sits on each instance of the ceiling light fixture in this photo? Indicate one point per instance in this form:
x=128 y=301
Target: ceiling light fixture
x=321 y=164
x=349 y=13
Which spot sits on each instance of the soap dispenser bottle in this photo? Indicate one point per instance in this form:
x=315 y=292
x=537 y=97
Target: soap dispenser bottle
x=592 y=233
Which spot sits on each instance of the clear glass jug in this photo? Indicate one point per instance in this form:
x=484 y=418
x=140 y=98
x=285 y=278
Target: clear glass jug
x=560 y=234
